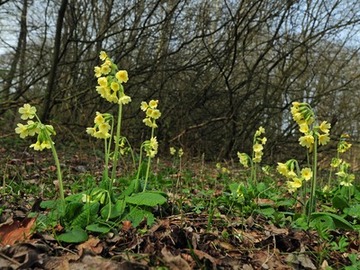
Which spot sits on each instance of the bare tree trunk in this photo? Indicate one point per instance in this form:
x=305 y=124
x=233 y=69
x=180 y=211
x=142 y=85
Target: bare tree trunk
x=48 y=102
x=19 y=54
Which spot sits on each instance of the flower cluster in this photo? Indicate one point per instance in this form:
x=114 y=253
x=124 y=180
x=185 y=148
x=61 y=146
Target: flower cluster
x=151 y=147
x=152 y=114
x=345 y=178
x=151 y=111
x=173 y=151
x=291 y=171
x=304 y=116
x=110 y=81
x=102 y=127
x=258 y=147
x=31 y=128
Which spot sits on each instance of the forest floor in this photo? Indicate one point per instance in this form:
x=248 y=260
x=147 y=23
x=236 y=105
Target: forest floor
x=185 y=235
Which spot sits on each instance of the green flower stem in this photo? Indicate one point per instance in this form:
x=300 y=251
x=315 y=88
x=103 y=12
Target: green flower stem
x=57 y=162
x=312 y=199
x=58 y=168
x=106 y=170
x=137 y=182
x=148 y=164
x=116 y=150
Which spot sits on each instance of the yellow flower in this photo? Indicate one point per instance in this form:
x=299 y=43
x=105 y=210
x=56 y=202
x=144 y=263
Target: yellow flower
x=122 y=76
x=298 y=117
x=295 y=184
x=154 y=143
x=46 y=145
x=291 y=174
x=180 y=152
x=343 y=146
x=260 y=131
x=102 y=81
x=335 y=162
x=323 y=139
x=22 y=130
x=303 y=127
x=155 y=114
x=263 y=140
x=99 y=119
x=147 y=121
x=124 y=99
x=91 y=131
x=243 y=158
x=105 y=69
x=306 y=173
x=153 y=104
x=97 y=71
x=325 y=127
x=306 y=141
x=257 y=147
x=103 y=56
x=115 y=86
x=282 y=168
x=256 y=159
x=172 y=151
x=36 y=146
x=144 y=106
x=296 y=104
x=27 y=112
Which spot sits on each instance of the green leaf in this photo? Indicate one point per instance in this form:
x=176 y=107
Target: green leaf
x=339 y=221
x=339 y=202
x=267 y=212
x=117 y=210
x=146 y=198
x=72 y=210
x=49 y=204
x=353 y=211
x=136 y=216
x=99 y=228
x=76 y=235
x=87 y=215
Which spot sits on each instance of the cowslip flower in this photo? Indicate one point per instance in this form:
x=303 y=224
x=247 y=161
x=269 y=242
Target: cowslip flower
x=243 y=159
x=22 y=130
x=257 y=147
x=323 y=139
x=172 y=151
x=122 y=76
x=27 y=112
x=282 y=168
x=325 y=127
x=306 y=174
x=307 y=141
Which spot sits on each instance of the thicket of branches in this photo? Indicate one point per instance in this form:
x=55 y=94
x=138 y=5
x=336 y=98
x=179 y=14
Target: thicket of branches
x=220 y=68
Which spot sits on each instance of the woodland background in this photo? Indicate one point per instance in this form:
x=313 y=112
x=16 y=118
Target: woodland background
x=220 y=68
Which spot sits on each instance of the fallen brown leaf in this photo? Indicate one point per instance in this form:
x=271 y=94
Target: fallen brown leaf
x=16 y=231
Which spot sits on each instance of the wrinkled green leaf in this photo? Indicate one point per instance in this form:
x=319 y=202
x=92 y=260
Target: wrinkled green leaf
x=87 y=215
x=146 y=198
x=339 y=222
x=339 y=202
x=117 y=210
x=136 y=216
x=353 y=211
x=76 y=235
x=99 y=228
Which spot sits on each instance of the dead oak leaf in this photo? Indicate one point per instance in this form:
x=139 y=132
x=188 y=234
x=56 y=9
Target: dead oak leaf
x=16 y=231
x=92 y=246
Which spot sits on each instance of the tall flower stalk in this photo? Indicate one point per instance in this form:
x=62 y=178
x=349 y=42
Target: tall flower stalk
x=313 y=135
x=110 y=87
x=44 y=140
x=152 y=113
x=258 y=146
